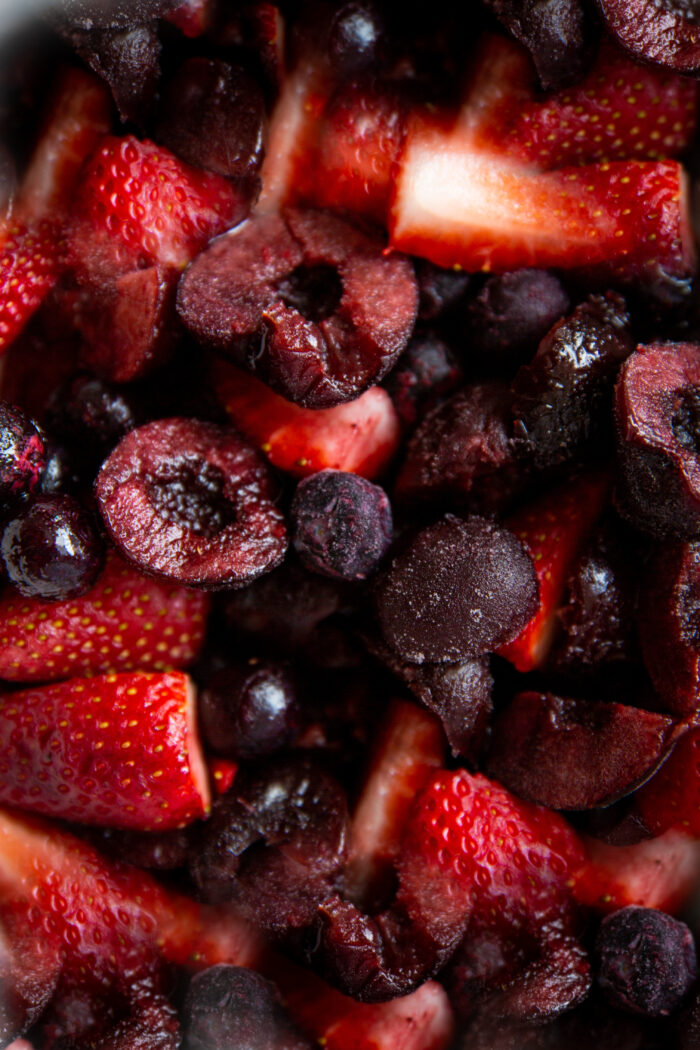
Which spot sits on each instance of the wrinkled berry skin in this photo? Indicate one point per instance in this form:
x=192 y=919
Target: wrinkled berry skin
x=22 y=452
x=51 y=550
x=646 y=961
x=249 y=710
x=341 y=524
x=231 y=1008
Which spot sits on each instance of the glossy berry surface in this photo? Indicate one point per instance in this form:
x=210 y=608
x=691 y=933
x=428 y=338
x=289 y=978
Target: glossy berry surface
x=646 y=961
x=249 y=710
x=51 y=549
x=341 y=524
x=22 y=452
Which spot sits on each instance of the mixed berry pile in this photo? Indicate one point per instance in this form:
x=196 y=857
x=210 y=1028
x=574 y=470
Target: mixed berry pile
x=350 y=526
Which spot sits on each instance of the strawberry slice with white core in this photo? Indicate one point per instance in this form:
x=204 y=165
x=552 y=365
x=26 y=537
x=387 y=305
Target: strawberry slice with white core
x=360 y=436
x=127 y=621
x=116 y=750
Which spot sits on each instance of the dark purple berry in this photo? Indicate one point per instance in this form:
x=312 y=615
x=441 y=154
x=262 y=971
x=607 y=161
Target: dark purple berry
x=426 y=369
x=463 y=451
x=253 y=295
x=461 y=588
x=128 y=59
x=646 y=961
x=667 y=33
x=90 y=416
x=439 y=289
x=192 y=502
x=562 y=399
x=249 y=710
x=341 y=524
x=213 y=117
x=231 y=1008
x=511 y=314
x=51 y=549
x=22 y=453
x=575 y=754
x=554 y=31
x=657 y=414
x=355 y=37
x=669 y=625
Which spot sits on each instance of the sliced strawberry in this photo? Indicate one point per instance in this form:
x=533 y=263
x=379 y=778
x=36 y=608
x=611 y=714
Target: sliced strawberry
x=117 y=750
x=553 y=529
x=619 y=111
x=109 y=927
x=420 y=1021
x=29 y=268
x=671 y=799
x=80 y=115
x=462 y=206
x=662 y=872
x=127 y=621
x=410 y=745
x=361 y=436
x=223 y=773
x=138 y=205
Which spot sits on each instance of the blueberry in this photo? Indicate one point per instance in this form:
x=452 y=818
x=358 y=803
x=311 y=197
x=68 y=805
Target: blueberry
x=341 y=524
x=646 y=961
x=51 y=549
x=249 y=710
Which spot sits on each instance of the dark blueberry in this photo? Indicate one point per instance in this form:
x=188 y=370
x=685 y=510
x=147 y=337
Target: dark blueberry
x=575 y=754
x=60 y=473
x=89 y=416
x=463 y=451
x=128 y=59
x=275 y=844
x=461 y=588
x=341 y=524
x=426 y=369
x=657 y=414
x=249 y=710
x=51 y=549
x=669 y=624
x=555 y=32
x=192 y=502
x=242 y=297
x=22 y=452
x=439 y=289
x=213 y=116
x=231 y=1008
x=511 y=314
x=663 y=33
x=596 y=618
x=562 y=398
x=355 y=37
x=646 y=961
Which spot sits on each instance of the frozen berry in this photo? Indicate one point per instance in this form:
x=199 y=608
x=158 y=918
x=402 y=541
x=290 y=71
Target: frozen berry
x=192 y=502
x=213 y=116
x=306 y=301
x=22 y=452
x=460 y=588
x=511 y=313
x=426 y=370
x=555 y=33
x=90 y=416
x=128 y=59
x=160 y=850
x=231 y=1008
x=664 y=33
x=646 y=961
x=657 y=413
x=250 y=709
x=341 y=524
x=355 y=36
x=669 y=625
x=562 y=398
x=51 y=549
x=439 y=289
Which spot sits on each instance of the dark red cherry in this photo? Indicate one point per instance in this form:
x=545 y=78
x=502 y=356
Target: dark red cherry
x=666 y=33
x=249 y=709
x=554 y=32
x=22 y=452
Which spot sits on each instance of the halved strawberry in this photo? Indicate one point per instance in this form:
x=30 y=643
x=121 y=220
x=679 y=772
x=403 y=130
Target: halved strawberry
x=553 y=528
x=361 y=436
x=137 y=205
x=108 y=927
x=29 y=266
x=117 y=750
x=79 y=116
x=662 y=872
x=409 y=746
x=671 y=799
x=127 y=621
